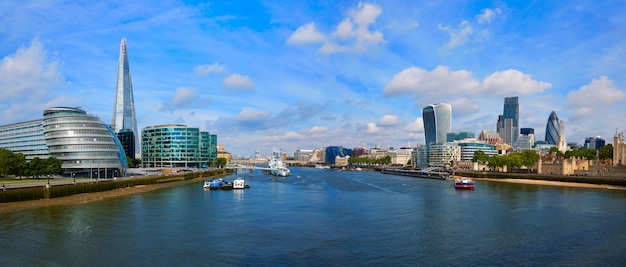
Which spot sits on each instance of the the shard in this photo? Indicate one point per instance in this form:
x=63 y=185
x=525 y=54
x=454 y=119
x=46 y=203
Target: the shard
x=124 y=119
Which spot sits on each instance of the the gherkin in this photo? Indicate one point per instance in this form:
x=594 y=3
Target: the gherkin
x=553 y=129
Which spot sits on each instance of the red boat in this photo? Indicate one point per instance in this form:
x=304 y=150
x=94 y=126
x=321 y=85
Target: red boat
x=464 y=183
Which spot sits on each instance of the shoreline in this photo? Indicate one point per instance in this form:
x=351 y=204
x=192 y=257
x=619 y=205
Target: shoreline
x=90 y=197
x=553 y=183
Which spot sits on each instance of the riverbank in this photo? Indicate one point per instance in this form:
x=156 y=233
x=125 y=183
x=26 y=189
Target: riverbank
x=553 y=183
x=94 y=196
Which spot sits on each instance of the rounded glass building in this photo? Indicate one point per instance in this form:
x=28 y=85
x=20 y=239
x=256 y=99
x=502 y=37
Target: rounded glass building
x=86 y=146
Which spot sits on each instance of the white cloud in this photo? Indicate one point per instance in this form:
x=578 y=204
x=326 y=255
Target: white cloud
x=464 y=107
x=513 y=82
x=372 y=128
x=600 y=91
x=388 y=120
x=457 y=36
x=204 y=70
x=249 y=115
x=185 y=98
x=439 y=81
x=306 y=34
x=29 y=75
x=293 y=136
x=237 y=81
x=416 y=126
x=351 y=35
x=488 y=15
x=316 y=130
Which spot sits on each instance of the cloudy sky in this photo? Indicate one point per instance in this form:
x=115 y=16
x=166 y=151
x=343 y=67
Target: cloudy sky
x=303 y=75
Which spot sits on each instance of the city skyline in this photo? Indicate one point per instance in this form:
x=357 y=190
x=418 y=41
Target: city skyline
x=313 y=74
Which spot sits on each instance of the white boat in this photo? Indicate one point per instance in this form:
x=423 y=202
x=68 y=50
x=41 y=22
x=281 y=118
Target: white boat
x=207 y=184
x=277 y=167
x=238 y=183
x=320 y=166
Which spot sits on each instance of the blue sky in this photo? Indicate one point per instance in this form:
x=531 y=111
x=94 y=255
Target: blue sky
x=303 y=75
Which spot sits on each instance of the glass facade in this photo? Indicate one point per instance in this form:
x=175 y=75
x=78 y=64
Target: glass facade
x=333 y=151
x=127 y=139
x=86 y=146
x=124 y=118
x=437 y=122
x=176 y=145
x=26 y=138
x=509 y=130
x=468 y=150
x=443 y=154
x=553 y=129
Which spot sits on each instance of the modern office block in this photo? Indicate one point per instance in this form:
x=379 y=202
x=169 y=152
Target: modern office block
x=437 y=122
x=176 y=145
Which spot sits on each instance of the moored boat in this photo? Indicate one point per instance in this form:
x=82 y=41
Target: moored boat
x=277 y=166
x=215 y=184
x=238 y=183
x=207 y=184
x=464 y=183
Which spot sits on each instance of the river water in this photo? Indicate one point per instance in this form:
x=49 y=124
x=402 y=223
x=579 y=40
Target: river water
x=327 y=218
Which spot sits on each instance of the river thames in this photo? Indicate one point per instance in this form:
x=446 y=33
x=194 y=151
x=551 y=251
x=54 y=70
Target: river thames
x=327 y=218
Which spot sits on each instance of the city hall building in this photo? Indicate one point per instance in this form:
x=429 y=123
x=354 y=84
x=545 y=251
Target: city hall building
x=176 y=145
x=86 y=146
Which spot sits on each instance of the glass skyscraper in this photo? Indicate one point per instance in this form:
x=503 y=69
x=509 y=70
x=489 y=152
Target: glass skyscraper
x=508 y=123
x=124 y=119
x=553 y=129
x=437 y=122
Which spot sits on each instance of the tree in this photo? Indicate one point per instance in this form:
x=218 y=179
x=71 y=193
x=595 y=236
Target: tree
x=221 y=162
x=480 y=157
x=6 y=162
x=529 y=158
x=606 y=152
x=514 y=160
x=35 y=167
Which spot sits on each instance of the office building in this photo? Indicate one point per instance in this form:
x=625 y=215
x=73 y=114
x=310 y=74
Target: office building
x=437 y=122
x=508 y=122
x=554 y=129
x=594 y=142
x=443 y=154
x=124 y=119
x=86 y=146
x=336 y=152
x=176 y=145
x=451 y=137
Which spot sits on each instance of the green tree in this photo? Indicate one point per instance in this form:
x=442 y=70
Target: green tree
x=606 y=152
x=52 y=166
x=514 y=160
x=221 y=162
x=6 y=162
x=529 y=158
x=35 y=167
x=480 y=157
x=130 y=162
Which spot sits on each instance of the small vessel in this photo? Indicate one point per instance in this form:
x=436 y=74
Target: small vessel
x=207 y=184
x=464 y=183
x=215 y=184
x=238 y=183
x=358 y=169
x=320 y=166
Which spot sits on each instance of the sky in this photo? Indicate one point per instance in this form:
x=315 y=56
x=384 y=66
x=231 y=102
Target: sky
x=309 y=74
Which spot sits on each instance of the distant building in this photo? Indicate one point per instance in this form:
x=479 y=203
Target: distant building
x=303 y=155
x=223 y=153
x=332 y=152
x=619 y=149
x=554 y=127
x=443 y=154
x=86 y=146
x=176 y=145
x=437 y=122
x=508 y=122
x=526 y=139
x=401 y=156
x=419 y=156
x=359 y=151
x=594 y=142
x=451 y=137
